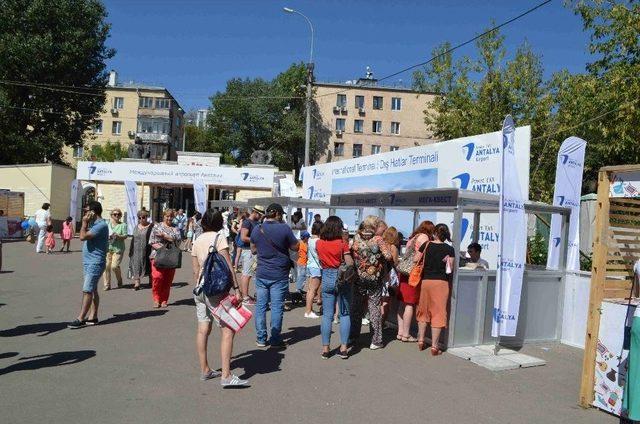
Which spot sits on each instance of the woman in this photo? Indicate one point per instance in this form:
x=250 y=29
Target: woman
x=212 y=223
x=196 y=226
x=139 y=250
x=117 y=235
x=392 y=238
x=332 y=251
x=314 y=270
x=161 y=278
x=434 y=289
x=370 y=253
x=237 y=254
x=408 y=296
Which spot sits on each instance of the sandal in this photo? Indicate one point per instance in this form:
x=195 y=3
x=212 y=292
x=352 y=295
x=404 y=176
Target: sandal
x=409 y=339
x=399 y=337
x=421 y=345
x=156 y=305
x=435 y=351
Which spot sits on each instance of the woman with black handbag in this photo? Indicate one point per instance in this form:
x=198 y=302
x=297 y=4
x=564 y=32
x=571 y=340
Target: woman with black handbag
x=165 y=258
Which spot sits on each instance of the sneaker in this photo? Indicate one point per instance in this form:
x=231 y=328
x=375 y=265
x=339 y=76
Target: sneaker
x=365 y=321
x=325 y=355
x=209 y=375
x=343 y=354
x=375 y=346
x=233 y=381
x=76 y=324
x=91 y=321
x=261 y=344
x=278 y=345
x=248 y=301
x=311 y=315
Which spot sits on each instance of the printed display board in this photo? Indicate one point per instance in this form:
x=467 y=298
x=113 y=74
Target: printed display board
x=471 y=163
x=175 y=174
x=625 y=184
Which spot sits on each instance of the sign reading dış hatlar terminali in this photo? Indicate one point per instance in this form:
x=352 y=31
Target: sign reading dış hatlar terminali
x=261 y=178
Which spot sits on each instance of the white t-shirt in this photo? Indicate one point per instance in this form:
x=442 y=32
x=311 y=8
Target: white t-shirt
x=312 y=254
x=200 y=248
x=41 y=217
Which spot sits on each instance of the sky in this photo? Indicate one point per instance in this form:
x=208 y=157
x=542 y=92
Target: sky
x=194 y=47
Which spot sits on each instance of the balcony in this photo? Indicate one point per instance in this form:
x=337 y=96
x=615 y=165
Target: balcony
x=153 y=137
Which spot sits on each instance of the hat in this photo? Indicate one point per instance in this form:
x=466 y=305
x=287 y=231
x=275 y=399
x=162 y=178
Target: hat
x=275 y=207
x=305 y=235
x=259 y=209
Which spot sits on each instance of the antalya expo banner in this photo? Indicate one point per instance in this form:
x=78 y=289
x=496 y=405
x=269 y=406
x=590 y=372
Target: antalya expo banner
x=175 y=174
x=470 y=163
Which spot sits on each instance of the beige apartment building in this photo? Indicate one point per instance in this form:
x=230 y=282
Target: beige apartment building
x=136 y=114
x=366 y=118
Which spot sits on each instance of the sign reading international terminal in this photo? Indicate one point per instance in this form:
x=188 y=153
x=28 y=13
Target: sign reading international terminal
x=175 y=174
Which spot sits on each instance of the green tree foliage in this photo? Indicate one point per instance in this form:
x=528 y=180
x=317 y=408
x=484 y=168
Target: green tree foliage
x=257 y=114
x=52 y=42
x=107 y=152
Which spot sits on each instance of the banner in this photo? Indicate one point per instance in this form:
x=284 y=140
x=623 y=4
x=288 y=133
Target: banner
x=175 y=174
x=513 y=240
x=73 y=203
x=567 y=193
x=200 y=196
x=131 y=188
x=469 y=163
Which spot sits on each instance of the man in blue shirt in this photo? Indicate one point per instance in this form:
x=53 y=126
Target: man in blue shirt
x=247 y=258
x=94 y=232
x=180 y=222
x=272 y=241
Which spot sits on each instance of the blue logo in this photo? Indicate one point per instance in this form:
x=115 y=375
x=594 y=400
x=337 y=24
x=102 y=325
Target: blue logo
x=470 y=147
x=563 y=201
x=556 y=241
x=245 y=175
x=568 y=162
x=464 y=227
x=564 y=159
x=498 y=316
x=464 y=180
x=310 y=189
x=392 y=197
x=92 y=169
x=317 y=174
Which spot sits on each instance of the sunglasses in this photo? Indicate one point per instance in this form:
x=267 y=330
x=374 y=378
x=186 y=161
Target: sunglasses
x=116 y=214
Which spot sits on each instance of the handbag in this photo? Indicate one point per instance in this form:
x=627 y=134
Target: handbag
x=406 y=263
x=230 y=313
x=31 y=238
x=416 y=273
x=169 y=256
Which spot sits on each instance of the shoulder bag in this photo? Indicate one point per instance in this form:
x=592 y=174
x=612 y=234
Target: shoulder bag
x=415 y=276
x=169 y=256
x=347 y=274
x=406 y=263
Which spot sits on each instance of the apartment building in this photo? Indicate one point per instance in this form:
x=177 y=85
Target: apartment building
x=366 y=118
x=136 y=114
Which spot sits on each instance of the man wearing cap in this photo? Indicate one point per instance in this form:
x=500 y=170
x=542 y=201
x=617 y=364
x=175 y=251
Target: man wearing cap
x=247 y=258
x=272 y=240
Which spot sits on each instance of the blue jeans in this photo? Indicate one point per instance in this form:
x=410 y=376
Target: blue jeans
x=273 y=291
x=301 y=277
x=330 y=293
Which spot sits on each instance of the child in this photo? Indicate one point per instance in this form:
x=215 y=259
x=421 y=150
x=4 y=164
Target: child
x=50 y=241
x=301 y=267
x=66 y=234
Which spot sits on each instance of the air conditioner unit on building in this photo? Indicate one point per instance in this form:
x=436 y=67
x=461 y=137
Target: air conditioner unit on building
x=336 y=108
x=343 y=109
x=114 y=111
x=360 y=110
x=339 y=133
x=132 y=134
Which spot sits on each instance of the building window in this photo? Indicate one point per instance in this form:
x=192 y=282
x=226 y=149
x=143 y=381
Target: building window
x=359 y=102
x=78 y=151
x=116 y=127
x=377 y=102
x=357 y=150
x=358 y=126
x=118 y=102
x=153 y=126
x=394 y=148
x=375 y=149
x=97 y=127
x=163 y=103
x=338 y=149
x=377 y=127
x=340 y=124
x=341 y=100
x=396 y=103
x=395 y=128
x=146 y=102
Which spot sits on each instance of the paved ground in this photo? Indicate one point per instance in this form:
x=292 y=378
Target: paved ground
x=140 y=366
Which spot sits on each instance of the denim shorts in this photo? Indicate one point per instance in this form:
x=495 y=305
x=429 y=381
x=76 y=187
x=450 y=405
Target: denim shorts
x=314 y=272
x=92 y=274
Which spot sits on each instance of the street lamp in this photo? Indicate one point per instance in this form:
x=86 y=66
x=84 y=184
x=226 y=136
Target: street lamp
x=307 y=137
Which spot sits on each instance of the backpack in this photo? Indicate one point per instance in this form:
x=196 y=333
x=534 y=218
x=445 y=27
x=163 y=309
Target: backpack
x=215 y=276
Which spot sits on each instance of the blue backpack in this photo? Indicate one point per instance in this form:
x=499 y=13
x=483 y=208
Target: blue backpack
x=215 y=277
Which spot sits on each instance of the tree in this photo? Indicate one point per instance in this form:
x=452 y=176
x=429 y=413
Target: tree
x=108 y=152
x=46 y=47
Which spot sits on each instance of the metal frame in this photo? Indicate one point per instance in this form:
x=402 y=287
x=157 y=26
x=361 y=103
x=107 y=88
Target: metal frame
x=228 y=204
x=288 y=203
x=459 y=202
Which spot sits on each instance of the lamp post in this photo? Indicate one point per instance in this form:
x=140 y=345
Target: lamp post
x=307 y=137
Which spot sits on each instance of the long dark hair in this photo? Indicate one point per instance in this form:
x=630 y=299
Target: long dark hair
x=212 y=221
x=332 y=229
x=442 y=232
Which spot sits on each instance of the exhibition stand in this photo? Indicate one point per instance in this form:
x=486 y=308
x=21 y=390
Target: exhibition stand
x=472 y=294
x=289 y=204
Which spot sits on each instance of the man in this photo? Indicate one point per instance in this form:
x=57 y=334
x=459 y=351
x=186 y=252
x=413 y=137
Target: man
x=94 y=232
x=117 y=236
x=180 y=222
x=317 y=218
x=473 y=251
x=42 y=218
x=272 y=241
x=247 y=258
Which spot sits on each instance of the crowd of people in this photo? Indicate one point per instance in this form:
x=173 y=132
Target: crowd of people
x=351 y=279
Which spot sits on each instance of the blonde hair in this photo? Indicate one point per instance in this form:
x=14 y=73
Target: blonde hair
x=370 y=223
x=391 y=236
x=116 y=210
x=168 y=211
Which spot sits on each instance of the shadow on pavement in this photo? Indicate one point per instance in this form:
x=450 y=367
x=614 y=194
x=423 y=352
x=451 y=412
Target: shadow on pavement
x=49 y=360
x=300 y=334
x=184 y=302
x=132 y=316
x=6 y=272
x=179 y=285
x=258 y=361
x=8 y=355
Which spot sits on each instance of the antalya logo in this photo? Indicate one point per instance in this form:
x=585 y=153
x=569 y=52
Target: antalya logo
x=479 y=153
x=245 y=175
x=556 y=241
x=392 y=198
x=563 y=201
x=317 y=174
x=92 y=169
x=465 y=227
x=315 y=194
x=251 y=178
x=463 y=180
x=569 y=163
x=499 y=316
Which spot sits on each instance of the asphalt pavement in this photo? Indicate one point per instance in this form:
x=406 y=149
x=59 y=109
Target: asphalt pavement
x=140 y=366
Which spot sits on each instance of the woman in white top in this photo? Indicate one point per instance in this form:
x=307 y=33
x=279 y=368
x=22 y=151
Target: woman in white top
x=212 y=223
x=42 y=218
x=314 y=270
